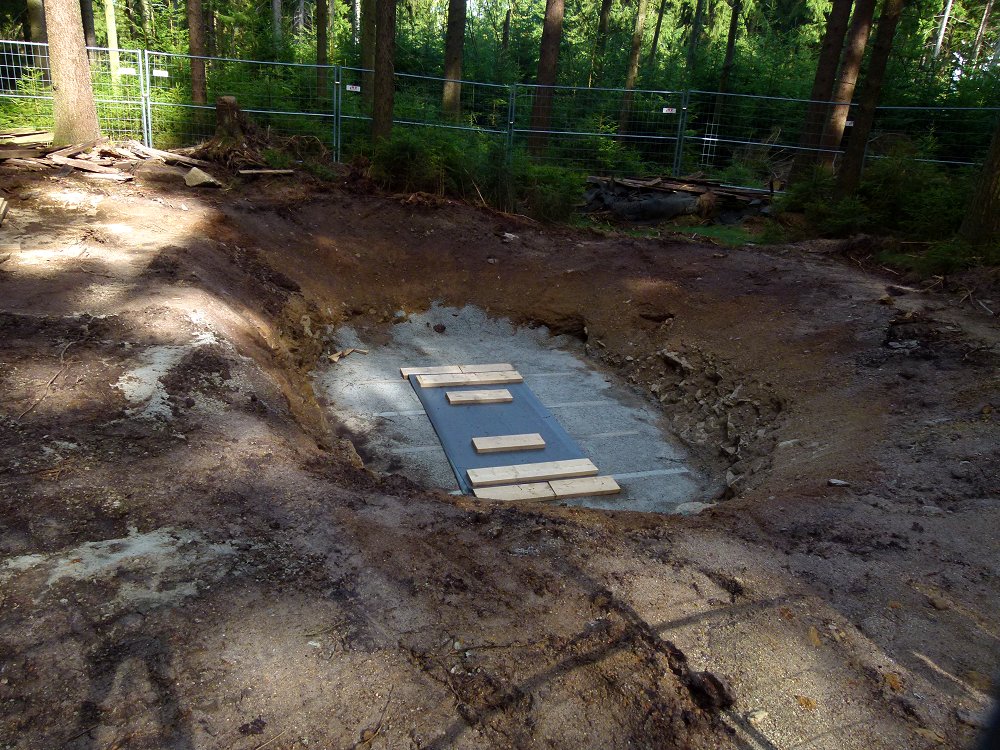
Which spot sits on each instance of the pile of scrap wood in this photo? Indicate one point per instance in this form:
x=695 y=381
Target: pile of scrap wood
x=662 y=198
x=100 y=158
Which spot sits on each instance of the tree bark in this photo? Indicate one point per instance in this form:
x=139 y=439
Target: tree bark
x=692 y=49
x=548 y=65
x=822 y=89
x=730 y=58
x=385 y=83
x=87 y=14
x=36 y=22
x=276 y=30
x=978 y=45
x=600 y=43
x=453 y=48
x=632 y=72
x=656 y=35
x=505 y=36
x=72 y=92
x=114 y=60
x=196 y=46
x=299 y=17
x=843 y=93
x=982 y=219
x=849 y=176
x=322 y=48
x=945 y=17
x=146 y=14
x=368 y=12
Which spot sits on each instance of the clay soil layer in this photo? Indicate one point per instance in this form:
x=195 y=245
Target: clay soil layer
x=193 y=554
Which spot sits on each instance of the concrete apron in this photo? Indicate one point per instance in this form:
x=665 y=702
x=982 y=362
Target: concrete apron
x=622 y=433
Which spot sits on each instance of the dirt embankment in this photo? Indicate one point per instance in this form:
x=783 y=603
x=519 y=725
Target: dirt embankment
x=193 y=559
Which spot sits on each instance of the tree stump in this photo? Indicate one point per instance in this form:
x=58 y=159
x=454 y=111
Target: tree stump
x=231 y=124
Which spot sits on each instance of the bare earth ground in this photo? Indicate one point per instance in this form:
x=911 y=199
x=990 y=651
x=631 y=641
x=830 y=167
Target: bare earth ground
x=193 y=556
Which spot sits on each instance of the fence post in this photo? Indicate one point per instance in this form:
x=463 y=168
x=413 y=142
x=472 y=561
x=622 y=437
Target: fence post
x=335 y=100
x=147 y=109
x=511 y=108
x=681 y=127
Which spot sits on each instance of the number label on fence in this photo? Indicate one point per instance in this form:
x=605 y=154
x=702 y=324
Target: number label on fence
x=127 y=71
x=157 y=73
x=849 y=124
x=353 y=87
x=670 y=110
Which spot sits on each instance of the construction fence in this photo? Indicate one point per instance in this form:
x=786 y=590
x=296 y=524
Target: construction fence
x=743 y=139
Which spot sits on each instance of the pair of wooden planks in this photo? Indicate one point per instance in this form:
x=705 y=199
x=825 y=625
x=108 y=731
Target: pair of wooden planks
x=555 y=489
x=537 y=472
x=405 y=372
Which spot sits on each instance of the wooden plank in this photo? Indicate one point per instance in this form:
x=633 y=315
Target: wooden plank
x=531 y=441
x=511 y=492
x=472 y=378
x=544 y=471
x=497 y=367
x=84 y=166
x=430 y=370
x=4 y=207
x=584 y=487
x=168 y=156
x=35 y=165
x=460 y=398
x=77 y=148
x=20 y=153
x=266 y=171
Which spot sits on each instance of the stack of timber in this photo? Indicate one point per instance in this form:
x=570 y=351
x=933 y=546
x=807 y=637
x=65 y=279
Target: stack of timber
x=660 y=198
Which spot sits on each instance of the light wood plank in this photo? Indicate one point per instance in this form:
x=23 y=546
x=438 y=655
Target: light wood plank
x=531 y=441
x=496 y=367
x=473 y=378
x=539 y=472
x=460 y=398
x=584 y=487
x=431 y=370
x=532 y=491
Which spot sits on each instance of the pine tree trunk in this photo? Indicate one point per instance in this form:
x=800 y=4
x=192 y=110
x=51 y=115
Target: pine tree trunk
x=600 y=43
x=843 y=92
x=146 y=13
x=849 y=175
x=114 y=60
x=87 y=14
x=453 y=47
x=505 y=37
x=322 y=48
x=548 y=64
x=196 y=46
x=385 y=83
x=730 y=58
x=72 y=93
x=982 y=219
x=656 y=35
x=36 y=22
x=276 y=30
x=977 y=47
x=632 y=72
x=822 y=89
x=299 y=17
x=368 y=52
x=946 y=16
x=692 y=50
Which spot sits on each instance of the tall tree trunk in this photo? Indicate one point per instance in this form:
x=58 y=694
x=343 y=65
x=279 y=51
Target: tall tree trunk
x=730 y=58
x=114 y=60
x=822 y=89
x=849 y=176
x=36 y=22
x=633 y=66
x=982 y=219
x=354 y=9
x=196 y=46
x=505 y=37
x=978 y=46
x=72 y=92
x=322 y=48
x=368 y=12
x=843 y=93
x=692 y=50
x=656 y=35
x=299 y=17
x=453 y=47
x=385 y=82
x=146 y=13
x=212 y=31
x=87 y=14
x=548 y=65
x=600 y=43
x=277 y=32
x=945 y=17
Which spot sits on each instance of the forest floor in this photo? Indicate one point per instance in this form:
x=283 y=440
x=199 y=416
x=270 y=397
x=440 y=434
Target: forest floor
x=192 y=554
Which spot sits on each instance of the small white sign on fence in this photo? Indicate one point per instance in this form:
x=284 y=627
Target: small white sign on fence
x=127 y=71
x=849 y=124
x=157 y=73
x=353 y=87
x=670 y=110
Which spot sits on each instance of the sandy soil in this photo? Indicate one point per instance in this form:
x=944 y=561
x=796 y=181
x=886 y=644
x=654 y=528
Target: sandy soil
x=194 y=556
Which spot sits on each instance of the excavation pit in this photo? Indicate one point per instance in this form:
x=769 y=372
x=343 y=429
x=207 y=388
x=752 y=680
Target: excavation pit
x=623 y=433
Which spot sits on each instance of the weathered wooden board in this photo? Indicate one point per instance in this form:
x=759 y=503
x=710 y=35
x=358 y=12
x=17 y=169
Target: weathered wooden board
x=539 y=472
x=454 y=369
x=85 y=166
x=460 y=398
x=532 y=491
x=584 y=487
x=472 y=378
x=530 y=441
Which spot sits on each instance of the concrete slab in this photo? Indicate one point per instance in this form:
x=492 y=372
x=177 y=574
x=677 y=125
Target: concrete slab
x=618 y=429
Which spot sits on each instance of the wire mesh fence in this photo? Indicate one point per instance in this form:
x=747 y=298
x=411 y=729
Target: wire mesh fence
x=168 y=99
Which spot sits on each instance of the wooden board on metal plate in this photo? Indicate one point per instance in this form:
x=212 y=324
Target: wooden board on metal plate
x=539 y=472
x=531 y=491
x=472 y=378
x=584 y=487
x=531 y=441
x=461 y=398
x=454 y=369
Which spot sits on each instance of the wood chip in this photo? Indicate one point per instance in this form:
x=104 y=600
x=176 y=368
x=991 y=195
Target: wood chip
x=544 y=471
x=339 y=355
x=501 y=443
x=467 y=398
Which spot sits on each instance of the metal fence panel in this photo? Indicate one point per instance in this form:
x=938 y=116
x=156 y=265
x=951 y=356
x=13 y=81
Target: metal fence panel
x=947 y=135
